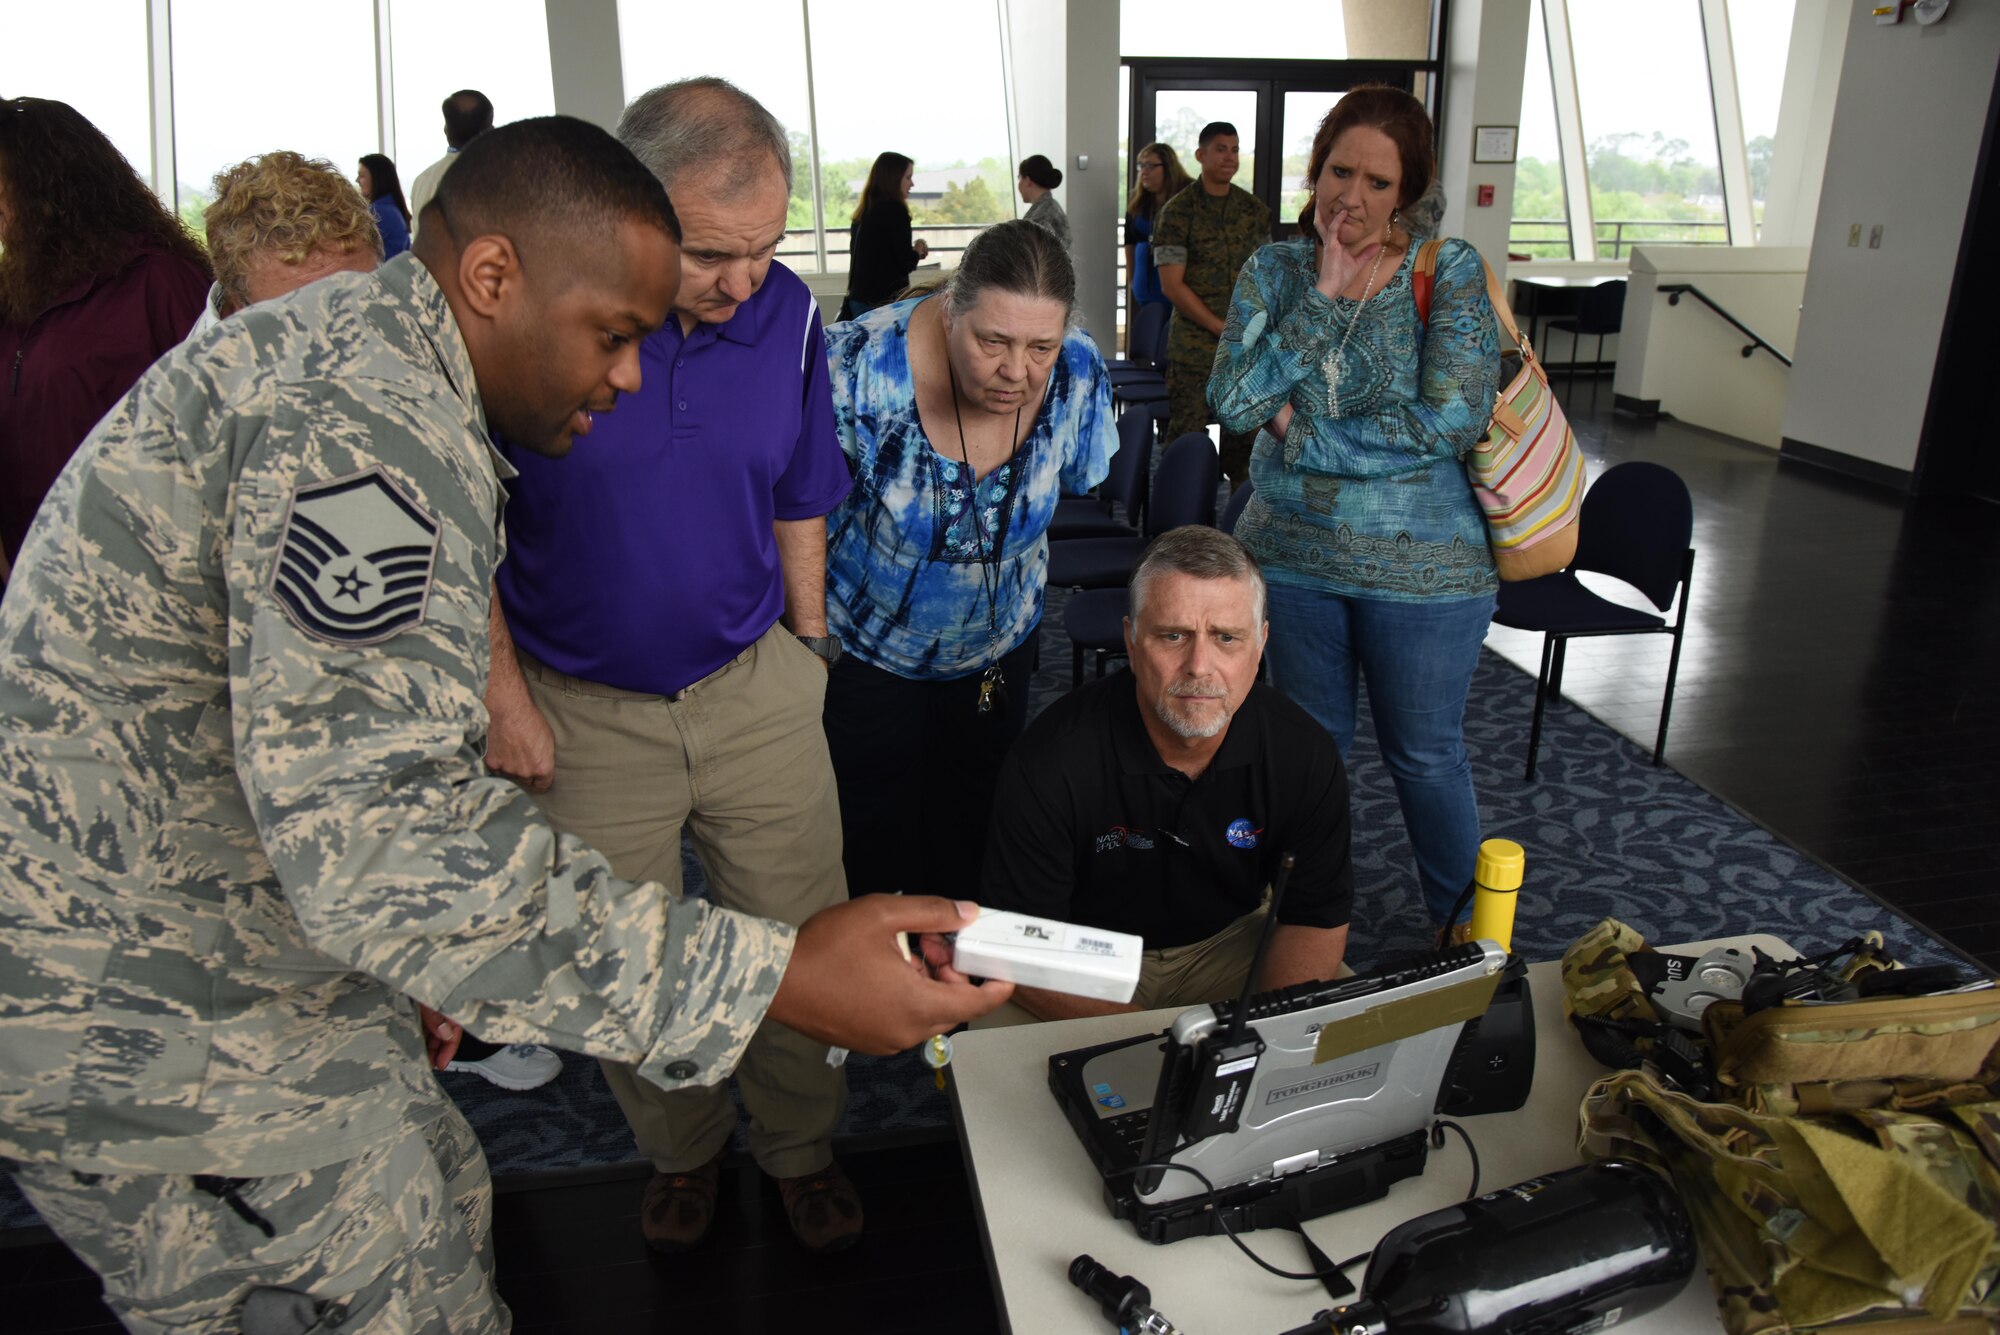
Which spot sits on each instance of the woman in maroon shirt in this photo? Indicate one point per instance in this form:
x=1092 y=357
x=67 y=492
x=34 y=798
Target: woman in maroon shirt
x=97 y=279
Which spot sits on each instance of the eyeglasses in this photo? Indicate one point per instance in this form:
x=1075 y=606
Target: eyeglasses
x=1145 y=166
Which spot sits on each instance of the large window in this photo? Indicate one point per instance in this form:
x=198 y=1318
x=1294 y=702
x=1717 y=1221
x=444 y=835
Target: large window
x=238 y=92
x=236 y=77
x=1298 y=125
x=1181 y=113
x=1620 y=112
x=1761 y=34
x=931 y=91
x=1541 y=203
x=90 y=54
x=435 y=52
x=1648 y=117
x=948 y=110
x=661 y=43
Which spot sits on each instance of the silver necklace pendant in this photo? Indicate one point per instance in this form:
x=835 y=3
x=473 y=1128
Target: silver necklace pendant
x=1331 y=367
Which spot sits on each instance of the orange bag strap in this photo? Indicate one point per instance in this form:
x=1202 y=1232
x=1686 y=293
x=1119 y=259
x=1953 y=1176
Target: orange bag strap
x=1423 y=277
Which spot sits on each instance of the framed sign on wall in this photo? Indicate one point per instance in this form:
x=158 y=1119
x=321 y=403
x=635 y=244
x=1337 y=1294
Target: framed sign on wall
x=1494 y=143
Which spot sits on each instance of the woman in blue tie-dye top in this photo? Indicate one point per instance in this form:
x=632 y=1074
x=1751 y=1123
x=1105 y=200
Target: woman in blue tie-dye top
x=1372 y=544
x=964 y=415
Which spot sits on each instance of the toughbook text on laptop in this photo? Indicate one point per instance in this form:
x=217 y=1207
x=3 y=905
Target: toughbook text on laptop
x=1292 y=1103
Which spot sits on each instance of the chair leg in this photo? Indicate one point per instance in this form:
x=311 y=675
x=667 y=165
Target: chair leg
x=1535 y=728
x=1674 y=658
x=1075 y=665
x=1596 y=361
x=1554 y=670
x=1101 y=656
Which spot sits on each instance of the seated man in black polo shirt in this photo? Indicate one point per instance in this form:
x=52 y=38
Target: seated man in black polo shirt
x=1159 y=801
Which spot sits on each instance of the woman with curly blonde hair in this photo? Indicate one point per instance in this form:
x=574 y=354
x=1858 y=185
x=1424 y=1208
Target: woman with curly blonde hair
x=281 y=220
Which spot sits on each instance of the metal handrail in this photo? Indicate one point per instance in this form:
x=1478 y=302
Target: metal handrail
x=1757 y=340
x=1611 y=233
x=805 y=235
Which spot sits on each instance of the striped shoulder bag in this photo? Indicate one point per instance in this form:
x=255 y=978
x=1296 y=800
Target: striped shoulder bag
x=1527 y=470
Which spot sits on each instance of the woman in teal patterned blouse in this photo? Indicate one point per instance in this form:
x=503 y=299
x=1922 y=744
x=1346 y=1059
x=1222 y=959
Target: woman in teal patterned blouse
x=1372 y=544
x=964 y=415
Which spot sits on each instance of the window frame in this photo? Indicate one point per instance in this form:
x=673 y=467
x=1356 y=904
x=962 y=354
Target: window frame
x=1726 y=108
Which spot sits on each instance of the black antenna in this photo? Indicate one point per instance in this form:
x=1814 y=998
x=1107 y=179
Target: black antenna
x=1242 y=1015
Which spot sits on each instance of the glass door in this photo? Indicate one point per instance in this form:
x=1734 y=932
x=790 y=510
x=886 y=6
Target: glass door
x=1299 y=121
x=1179 y=114
x=1276 y=106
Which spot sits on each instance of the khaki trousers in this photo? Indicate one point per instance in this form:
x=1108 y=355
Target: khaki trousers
x=740 y=759
x=1212 y=969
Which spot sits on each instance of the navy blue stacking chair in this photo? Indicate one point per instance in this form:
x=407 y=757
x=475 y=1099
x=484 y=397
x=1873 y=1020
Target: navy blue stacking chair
x=1637 y=525
x=1094 y=620
x=1141 y=379
x=1601 y=312
x=1234 y=510
x=1183 y=493
x=1124 y=485
x=1147 y=343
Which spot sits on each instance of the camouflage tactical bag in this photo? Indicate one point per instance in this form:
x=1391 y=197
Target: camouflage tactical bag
x=1842 y=1160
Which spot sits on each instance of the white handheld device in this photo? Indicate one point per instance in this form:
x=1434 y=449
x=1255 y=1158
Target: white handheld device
x=1041 y=952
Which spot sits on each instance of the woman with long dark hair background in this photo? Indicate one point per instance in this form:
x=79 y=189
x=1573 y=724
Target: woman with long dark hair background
x=97 y=279
x=1158 y=177
x=880 y=253
x=383 y=190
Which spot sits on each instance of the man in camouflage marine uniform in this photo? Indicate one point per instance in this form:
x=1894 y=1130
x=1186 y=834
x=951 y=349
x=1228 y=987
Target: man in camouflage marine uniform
x=240 y=740
x=1201 y=240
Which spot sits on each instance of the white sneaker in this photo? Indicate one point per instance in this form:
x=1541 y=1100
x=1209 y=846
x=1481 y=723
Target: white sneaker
x=518 y=1066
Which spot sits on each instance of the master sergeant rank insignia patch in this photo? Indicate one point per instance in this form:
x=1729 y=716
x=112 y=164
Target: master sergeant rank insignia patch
x=356 y=561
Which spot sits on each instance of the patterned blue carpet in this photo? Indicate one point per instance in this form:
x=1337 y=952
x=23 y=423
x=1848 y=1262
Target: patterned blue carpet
x=1607 y=835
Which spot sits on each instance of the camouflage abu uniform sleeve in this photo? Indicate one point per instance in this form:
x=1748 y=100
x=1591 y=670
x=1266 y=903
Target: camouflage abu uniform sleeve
x=361 y=556
x=1171 y=230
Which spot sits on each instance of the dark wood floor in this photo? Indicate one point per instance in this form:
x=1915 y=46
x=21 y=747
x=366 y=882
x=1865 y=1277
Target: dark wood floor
x=1838 y=683
x=1838 y=687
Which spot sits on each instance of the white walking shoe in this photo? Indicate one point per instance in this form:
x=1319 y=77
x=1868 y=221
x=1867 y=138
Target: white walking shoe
x=518 y=1066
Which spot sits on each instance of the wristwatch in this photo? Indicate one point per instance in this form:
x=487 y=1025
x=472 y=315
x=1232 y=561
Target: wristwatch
x=826 y=646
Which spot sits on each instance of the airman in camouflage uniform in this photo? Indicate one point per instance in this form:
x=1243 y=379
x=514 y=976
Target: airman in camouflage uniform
x=241 y=664
x=1201 y=240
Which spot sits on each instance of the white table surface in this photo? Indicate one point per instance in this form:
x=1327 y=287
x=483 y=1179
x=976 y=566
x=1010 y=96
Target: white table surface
x=1041 y=1203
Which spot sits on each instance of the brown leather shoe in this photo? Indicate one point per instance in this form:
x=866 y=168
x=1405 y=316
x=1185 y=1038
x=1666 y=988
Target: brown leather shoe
x=679 y=1207
x=823 y=1208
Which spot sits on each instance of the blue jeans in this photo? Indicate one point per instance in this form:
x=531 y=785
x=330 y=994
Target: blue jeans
x=1418 y=659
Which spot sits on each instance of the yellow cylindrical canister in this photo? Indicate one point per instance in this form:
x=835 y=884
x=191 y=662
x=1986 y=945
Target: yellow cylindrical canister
x=1496 y=879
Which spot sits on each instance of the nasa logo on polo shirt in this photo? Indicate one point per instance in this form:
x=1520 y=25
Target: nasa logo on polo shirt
x=1241 y=834
x=355 y=563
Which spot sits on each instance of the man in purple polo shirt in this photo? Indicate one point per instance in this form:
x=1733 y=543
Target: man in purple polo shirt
x=664 y=590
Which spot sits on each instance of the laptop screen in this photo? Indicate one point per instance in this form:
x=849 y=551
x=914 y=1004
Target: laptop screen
x=1346 y=1066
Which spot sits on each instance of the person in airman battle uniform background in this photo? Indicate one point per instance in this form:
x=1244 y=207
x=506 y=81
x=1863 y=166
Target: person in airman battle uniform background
x=1201 y=239
x=241 y=737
